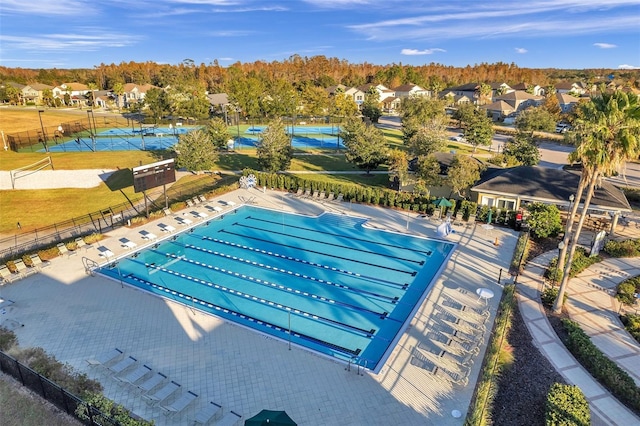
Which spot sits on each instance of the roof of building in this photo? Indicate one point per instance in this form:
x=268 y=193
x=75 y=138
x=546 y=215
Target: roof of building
x=546 y=185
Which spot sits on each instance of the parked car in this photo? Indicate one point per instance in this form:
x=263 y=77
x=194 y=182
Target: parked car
x=562 y=127
x=459 y=138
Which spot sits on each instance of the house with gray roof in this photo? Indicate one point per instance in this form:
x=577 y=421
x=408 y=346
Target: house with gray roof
x=513 y=188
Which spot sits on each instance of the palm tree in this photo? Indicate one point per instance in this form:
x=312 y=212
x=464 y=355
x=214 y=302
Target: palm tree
x=607 y=133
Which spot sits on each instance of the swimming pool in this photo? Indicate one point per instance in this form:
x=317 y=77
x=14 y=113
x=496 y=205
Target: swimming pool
x=327 y=283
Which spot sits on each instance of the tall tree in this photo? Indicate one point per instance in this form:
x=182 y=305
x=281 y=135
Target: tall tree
x=218 y=132
x=607 y=134
x=463 y=172
x=536 y=119
x=371 y=105
x=156 y=102
x=522 y=149
x=195 y=151
x=274 y=148
x=429 y=138
x=479 y=131
x=365 y=145
x=398 y=167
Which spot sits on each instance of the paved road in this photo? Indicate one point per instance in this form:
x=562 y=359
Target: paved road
x=552 y=155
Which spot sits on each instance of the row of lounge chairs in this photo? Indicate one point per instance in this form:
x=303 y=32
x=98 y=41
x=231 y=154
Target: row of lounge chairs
x=158 y=390
x=319 y=195
x=455 y=331
x=21 y=269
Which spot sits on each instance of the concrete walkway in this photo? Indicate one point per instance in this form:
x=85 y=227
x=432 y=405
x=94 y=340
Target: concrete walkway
x=605 y=409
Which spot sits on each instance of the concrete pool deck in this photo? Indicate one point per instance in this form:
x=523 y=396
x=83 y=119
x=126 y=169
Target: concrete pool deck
x=75 y=317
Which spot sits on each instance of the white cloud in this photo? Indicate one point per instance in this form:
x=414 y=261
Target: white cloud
x=413 y=52
x=521 y=50
x=85 y=40
x=605 y=45
x=628 y=67
x=230 y=33
x=46 y=7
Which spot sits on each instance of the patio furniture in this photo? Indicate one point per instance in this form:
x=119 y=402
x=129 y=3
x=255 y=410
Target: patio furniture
x=62 y=248
x=23 y=269
x=105 y=252
x=163 y=393
x=38 y=262
x=166 y=228
x=119 y=367
x=80 y=243
x=180 y=404
x=146 y=235
x=106 y=357
x=127 y=243
x=153 y=381
x=229 y=419
x=135 y=375
x=207 y=413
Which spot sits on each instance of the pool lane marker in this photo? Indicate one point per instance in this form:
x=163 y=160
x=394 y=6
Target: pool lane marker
x=427 y=252
x=365 y=333
x=403 y=286
x=381 y=315
x=249 y=318
x=255 y=228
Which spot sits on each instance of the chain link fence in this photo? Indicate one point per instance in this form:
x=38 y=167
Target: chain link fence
x=104 y=220
x=52 y=392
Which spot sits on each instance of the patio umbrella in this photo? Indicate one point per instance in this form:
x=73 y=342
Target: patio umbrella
x=443 y=202
x=270 y=418
x=489 y=216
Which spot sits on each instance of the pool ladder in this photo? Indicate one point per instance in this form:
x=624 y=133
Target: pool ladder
x=356 y=361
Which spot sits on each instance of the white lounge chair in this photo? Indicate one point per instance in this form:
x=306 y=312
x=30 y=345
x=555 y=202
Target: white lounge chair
x=134 y=375
x=166 y=228
x=105 y=252
x=229 y=419
x=207 y=413
x=127 y=243
x=119 y=367
x=146 y=235
x=190 y=203
x=183 y=221
x=8 y=276
x=199 y=215
x=163 y=393
x=167 y=211
x=153 y=381
x=180 y=404
x=202 y=198
x=80 y=243
x=23 y=269
x=62 y=248
x=105 y=357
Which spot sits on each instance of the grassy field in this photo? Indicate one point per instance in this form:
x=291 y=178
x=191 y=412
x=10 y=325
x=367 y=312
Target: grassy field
x=22 y=408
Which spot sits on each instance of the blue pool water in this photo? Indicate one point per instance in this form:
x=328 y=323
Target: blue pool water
x=342 y=289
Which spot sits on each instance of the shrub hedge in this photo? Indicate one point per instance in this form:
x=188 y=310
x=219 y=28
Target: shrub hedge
x=567 y=406
x=607 y=372
x=626 y=248
x=581 y=261
x=632 y=324
x=627 y=290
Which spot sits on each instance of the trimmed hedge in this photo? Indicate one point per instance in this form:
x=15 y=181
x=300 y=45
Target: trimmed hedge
x=607 y=372
x=567 y=405
x=632 y=325
x=626 y=248
x=581 y=261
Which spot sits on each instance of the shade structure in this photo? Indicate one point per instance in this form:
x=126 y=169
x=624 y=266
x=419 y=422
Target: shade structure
x=270 y=418
x=443 y=202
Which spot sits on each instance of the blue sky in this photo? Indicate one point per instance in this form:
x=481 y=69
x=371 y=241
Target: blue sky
x=529 y=33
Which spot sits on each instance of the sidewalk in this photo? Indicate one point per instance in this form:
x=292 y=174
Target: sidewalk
x=605 y=409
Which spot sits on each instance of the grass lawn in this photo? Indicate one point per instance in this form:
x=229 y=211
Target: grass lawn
x=21 y=408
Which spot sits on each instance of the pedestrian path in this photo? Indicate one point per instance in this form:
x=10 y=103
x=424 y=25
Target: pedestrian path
x=592 y=305
x=605 y=409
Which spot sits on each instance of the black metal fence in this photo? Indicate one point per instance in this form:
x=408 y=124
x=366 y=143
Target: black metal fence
x=52 y=392
x=101 y=221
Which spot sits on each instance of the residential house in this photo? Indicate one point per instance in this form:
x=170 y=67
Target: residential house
x=569 y=87
x=406 y=90
x=391 y=104
x=33 y=93
x=219 y=102
x=452 y=99
x=566 y=102
x=534 y=89
x=519 y=100
x=469 y=90
x=356 y=94
x=133 y=93
x=74 y=92
x=498 y=110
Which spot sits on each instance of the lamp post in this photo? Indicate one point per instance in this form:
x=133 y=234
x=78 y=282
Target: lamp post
x=44 y=135
x=571 y=198
x=560 y=248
